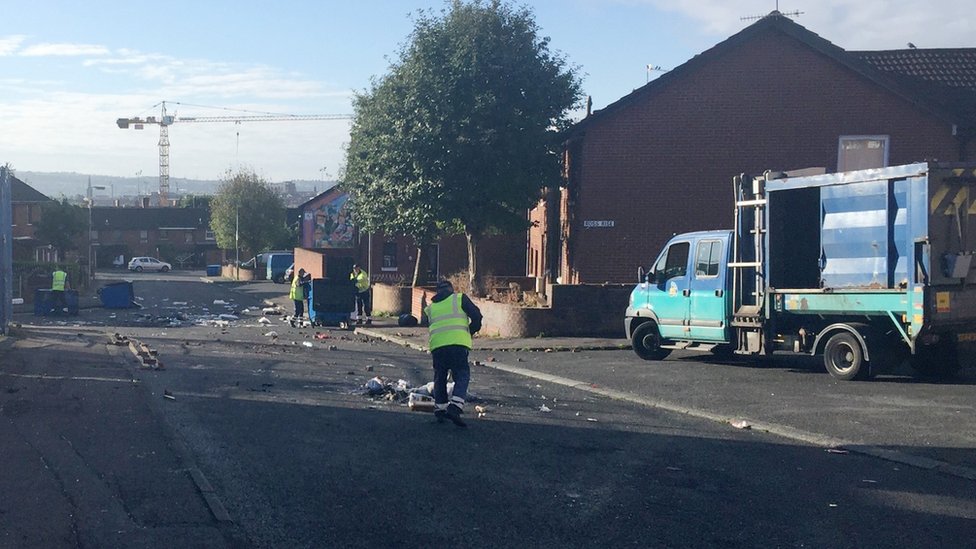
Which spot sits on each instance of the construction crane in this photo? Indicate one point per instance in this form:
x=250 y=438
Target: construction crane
x=166 y=120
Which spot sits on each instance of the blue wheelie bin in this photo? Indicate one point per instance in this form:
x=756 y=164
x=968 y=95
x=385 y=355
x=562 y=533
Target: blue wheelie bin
x=118 y=295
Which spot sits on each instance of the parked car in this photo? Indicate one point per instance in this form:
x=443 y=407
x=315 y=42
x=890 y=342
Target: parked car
x=289 y=272
x=140 y=264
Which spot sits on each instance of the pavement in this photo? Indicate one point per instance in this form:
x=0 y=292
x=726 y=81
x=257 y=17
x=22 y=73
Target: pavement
x=387 y=329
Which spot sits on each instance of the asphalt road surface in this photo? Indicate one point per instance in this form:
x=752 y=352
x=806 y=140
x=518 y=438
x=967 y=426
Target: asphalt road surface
x=279 y=442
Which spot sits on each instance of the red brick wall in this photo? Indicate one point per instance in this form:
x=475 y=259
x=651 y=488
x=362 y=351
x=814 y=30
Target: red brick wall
x=664 y=163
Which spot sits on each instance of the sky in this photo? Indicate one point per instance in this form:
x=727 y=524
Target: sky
x=69 y=69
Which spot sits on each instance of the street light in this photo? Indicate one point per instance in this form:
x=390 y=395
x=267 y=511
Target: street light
x=90 y=200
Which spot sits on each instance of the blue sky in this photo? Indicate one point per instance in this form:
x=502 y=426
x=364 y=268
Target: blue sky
x=69 y=69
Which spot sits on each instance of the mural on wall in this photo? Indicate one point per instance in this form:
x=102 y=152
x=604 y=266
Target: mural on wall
x=330 y=224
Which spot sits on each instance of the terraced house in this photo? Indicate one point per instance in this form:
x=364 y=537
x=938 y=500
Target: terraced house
x=774 y=96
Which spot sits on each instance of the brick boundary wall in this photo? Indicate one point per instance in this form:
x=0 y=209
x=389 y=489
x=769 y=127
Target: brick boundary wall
x=575 y=311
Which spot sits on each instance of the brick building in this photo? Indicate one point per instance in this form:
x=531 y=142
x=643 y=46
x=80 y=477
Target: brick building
x=326 y=230
x=26 y=206
x=180 y=236
x=774 y=96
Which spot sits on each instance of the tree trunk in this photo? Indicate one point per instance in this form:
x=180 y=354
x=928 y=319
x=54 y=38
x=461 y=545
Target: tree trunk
x=474 y=276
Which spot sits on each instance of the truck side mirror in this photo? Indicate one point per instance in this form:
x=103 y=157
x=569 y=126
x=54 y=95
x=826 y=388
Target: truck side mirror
x=640 y=275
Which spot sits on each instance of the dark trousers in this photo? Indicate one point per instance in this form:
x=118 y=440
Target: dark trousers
x=452 y=359
x=364 y=305
x=58 y=302
x=299 y=307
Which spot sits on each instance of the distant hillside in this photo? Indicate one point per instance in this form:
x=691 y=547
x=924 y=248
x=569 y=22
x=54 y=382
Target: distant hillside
x=55 y=184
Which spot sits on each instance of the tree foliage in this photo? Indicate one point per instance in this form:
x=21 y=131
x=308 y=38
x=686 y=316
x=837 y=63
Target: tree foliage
x=246 y=205
x=462 y=134
x=60 y=224
x=195 y=201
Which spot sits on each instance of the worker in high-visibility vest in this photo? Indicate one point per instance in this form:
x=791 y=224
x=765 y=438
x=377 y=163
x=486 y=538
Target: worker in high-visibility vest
x=59 y=283
x=364 y=303
x=453 y=318
x=299 y=293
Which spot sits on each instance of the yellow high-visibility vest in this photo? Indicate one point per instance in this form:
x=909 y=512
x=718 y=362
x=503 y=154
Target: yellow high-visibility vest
x=297 y=292
x=57 y=282
x=362 y=280
x=448 y=323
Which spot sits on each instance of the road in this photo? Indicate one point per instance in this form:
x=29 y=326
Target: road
x=277 y=446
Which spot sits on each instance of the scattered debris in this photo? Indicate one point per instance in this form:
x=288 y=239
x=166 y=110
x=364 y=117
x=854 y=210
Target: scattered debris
x=545 y=408
x=837 y=451
x=272 y=335
x=740 y=424
x=333 y=348
x=320 y=335
x=263 y=320
x=219 y=302
x=169 y=395
x=226 y=316
x=418 y=402
x=307 y=343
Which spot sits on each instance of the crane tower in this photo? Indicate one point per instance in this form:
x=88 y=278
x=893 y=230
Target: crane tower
x=165 y=121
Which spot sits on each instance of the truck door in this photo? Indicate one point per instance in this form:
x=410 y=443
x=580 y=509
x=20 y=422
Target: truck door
x=668 y=291
x=708 y=303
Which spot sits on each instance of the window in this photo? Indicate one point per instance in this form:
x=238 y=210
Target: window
x=94 y=235
x=118 y=236
x=707 y=260
x=31 y=214
x=389 y=256
x=673 y=263
x=163 y=234
x=860 y=152
x=210 y=236
x=143 y=236
x=188 y=237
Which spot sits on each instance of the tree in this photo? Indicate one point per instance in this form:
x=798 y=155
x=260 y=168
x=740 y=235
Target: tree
x=389 y=193
x=195 y=201
x=60 y=224
x=463 y=134
x=246 y=205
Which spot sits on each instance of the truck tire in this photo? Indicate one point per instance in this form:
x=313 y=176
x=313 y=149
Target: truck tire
x=646 y=341
x=844 y=357
x=936 y=361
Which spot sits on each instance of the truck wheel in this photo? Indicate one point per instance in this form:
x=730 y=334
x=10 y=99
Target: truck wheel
x=647 y=342
x=939 y=361
x=844 y=358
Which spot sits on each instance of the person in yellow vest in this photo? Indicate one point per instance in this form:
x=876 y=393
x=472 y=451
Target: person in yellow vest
x=59 y=283
x=364 y=305
x=298 y=294
x=453 y=318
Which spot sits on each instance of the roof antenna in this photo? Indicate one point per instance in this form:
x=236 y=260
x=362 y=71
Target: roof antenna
x=793 y=14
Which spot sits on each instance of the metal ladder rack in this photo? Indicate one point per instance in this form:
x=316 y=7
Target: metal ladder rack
x=748 y=258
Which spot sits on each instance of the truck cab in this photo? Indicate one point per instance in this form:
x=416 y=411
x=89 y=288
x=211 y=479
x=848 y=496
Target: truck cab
x=684 y=296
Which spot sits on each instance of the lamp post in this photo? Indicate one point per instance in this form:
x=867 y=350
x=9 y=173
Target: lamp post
x=90 y=200
x=237 y=243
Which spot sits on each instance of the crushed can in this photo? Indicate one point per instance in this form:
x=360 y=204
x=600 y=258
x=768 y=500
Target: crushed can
x=418 y=402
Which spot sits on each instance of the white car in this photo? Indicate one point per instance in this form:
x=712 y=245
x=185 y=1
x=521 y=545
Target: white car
x=139 y=264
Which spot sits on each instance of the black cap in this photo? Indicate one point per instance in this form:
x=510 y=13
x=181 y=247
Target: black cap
x=445 y=285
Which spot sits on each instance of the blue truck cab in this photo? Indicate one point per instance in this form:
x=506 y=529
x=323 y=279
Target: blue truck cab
x=867 y=268
x=684 y=296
